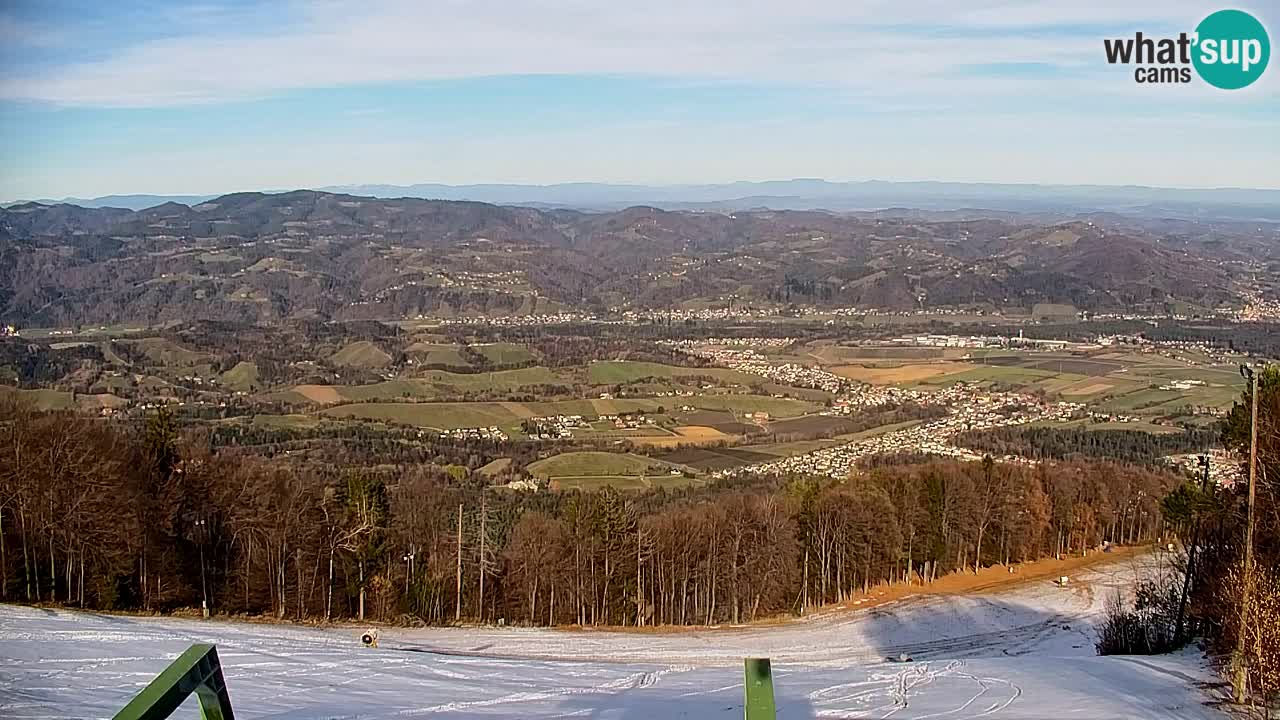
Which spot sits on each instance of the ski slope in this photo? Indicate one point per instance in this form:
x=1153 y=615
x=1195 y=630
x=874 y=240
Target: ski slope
x=1024 y=653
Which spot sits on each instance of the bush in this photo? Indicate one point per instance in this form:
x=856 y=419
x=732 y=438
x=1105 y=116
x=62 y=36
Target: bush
x=1149 y=627
x=1262 y=634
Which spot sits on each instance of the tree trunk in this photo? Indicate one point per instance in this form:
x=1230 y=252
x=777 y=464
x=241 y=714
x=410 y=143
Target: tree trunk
x=297 y=566
x=533 y=600
x=26 y=559
x=639 y=585
x=977 y=554
x=248 y=553
x=684 y=594
x=4 y=562
x=457 y=611
x=53 y=572
x=804 y=587
x=328 y=598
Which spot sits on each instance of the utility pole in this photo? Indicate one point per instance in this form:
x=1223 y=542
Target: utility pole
x=457 y=611
x=1239 y=675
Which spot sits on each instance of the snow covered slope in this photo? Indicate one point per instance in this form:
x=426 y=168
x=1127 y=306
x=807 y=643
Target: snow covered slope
x=1026 y=653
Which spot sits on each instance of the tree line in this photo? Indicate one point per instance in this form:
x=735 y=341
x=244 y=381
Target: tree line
x=112 y=516
x=1134 y=446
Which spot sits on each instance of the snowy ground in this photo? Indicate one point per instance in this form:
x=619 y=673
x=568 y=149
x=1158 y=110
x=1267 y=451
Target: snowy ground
x=1026 y=653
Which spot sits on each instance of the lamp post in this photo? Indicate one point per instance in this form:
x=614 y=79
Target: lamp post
x=408 y=568
x=1238 y=661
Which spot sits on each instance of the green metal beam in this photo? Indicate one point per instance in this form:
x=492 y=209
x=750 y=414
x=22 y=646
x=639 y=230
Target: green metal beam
x=195 y=671
x=758 y=686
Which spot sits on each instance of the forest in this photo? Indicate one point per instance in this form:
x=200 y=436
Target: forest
x=110 y=515
x=1134 y=446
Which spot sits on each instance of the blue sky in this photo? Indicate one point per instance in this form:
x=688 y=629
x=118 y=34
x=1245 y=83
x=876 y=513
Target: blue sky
x=164 y=97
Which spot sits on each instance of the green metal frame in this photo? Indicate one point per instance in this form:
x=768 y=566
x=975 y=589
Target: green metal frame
x=196 y=671
x=758 y=687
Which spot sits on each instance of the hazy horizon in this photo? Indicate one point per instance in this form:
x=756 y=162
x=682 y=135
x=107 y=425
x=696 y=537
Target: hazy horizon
x=369 y=188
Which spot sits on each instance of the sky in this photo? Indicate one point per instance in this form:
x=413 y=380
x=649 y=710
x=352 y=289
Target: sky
x=143 y=96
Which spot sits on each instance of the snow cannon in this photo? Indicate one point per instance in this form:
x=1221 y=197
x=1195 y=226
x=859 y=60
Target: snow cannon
x=369 y=638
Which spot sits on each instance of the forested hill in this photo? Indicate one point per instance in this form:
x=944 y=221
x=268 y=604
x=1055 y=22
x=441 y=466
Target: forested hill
x=306 y=254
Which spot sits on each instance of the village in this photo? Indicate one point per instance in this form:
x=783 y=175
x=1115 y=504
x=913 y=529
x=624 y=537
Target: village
x=969 y=410
x=969 y=407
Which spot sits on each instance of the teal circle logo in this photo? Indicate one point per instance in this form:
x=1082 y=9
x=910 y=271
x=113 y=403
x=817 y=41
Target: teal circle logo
x=1232 y=49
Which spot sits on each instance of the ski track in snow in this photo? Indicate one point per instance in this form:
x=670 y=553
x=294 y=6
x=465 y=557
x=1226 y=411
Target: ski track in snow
x=1024 y=653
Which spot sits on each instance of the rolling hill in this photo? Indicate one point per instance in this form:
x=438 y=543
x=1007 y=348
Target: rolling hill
x=318 y=255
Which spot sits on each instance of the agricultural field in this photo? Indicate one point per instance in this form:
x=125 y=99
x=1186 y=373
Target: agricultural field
x=1076 y=366
x=1008 y=375
x=243 y=377
x=426 y=386
x=362 y=354
x=431 y=354
x=580 y=464
x=438 y=416
x=158 y=351
x=594 y=483
x=589 y=471
x=849 y=354
x=687 y=435
x=724 y=458
x=744 y=403
x=508 y=415
x=901 y=374
x=812 y=425
x=725 y=422
x=496 y=467
x=1130 y=383
x=612 y=372
x=713 y=459
x=811 y=394
x=43 y=399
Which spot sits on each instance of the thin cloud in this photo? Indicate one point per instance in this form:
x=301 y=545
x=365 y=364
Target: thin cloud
x=833 y=44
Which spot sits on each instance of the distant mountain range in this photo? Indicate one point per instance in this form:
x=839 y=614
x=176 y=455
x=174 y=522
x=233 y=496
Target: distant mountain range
x=813 y=194
x=309 y=254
